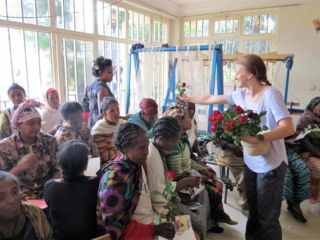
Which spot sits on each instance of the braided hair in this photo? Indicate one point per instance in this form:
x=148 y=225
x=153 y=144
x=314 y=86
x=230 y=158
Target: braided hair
x=166 y=127
x=126 y=136
x=313 y=103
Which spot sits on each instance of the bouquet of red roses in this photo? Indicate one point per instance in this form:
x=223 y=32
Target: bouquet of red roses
x=234 y=123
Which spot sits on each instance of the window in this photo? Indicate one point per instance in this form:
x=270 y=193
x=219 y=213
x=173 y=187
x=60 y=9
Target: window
x=111 y=20
x=160 y=32
x=26 y=11
x=139 y=27
x=26 y=60
x=229 y=46
x=75 y=15
x=196 y=28
x=226 y=26
x=78 y=61
x=257 y=46
x=259 y=24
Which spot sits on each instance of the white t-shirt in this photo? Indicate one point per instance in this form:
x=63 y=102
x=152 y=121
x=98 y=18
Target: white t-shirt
x=272 y=102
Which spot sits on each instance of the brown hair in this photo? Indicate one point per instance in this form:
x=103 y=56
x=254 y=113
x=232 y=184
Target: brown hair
x=254 y=65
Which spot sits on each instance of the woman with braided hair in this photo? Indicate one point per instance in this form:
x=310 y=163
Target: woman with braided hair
x=124 y=201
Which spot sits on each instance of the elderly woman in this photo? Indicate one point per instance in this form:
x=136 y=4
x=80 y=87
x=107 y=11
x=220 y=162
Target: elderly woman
x=50 y=114
x=148 y=115
x=104 y=128
x=29 y=154
x=180 y=161
x=18 y=219
x=124 y=198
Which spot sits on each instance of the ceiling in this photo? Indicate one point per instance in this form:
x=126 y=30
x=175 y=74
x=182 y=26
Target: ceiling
x=182 y=8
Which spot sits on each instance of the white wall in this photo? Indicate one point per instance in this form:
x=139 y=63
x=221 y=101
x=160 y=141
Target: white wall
x=297 y=35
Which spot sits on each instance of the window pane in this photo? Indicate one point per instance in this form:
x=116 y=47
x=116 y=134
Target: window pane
x=141 y=27
x=44 y=46
x=236 y=25
x=147 y=26
x=247 y=25
x=80 y=71
x=130 y=25
x=88 y=16
x=107 y=19
x=18 y=57
x=79 y=18
x=114 y=21
x=205 y=28
x=255 y=24
x=199 y=28
x=29 y=11
x=216 y=26
x=70 y=70
x=43 y=12
x=222 y=26
x=263 y=23
x=135 y=25
x=122 y=23
x=271 y=23
x=33 y=69
x=59 y=13
x=229 y=27
x=68 y=14
x=100 y=17
x=6 y=75
x=186 y=29
x=14 y=10
x=3 y=11
x=193 y=28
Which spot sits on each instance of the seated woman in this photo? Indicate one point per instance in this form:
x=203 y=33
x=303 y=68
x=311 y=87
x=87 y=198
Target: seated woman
x=51 y=117
x=16 y=95
x=74 y=127
x=147 y=116
x=181 y=163
x=166 y=135
x=72 y=200
x=102 y=131
x=29 y=154
x=310 y=145
x=124 y=197
x=18 y=219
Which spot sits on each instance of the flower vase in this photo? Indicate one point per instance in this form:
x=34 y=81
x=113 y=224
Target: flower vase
x=256 y=149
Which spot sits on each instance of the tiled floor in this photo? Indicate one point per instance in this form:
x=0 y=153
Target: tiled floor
x=291 y=229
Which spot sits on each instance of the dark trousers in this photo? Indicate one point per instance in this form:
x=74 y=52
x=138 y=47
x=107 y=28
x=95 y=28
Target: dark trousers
x=264 y=196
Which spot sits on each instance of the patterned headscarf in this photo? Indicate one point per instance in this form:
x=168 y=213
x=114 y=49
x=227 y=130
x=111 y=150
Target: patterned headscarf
x=25 y=111
x=313 y=103
x=148 y=106
x=177 y=111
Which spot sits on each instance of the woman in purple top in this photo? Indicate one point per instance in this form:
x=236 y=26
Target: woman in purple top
x=96 y=91
x=264 y=174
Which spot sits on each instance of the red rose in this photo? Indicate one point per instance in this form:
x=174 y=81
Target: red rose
x=250 y=114
x=171 y=175
x=183 y=84
x=214 y=123
x=231 y=123
x=219 y=117
x=212 y=129
x=242 y=119
x=215 y=113
x=226 y=127
x=212 y=118
x=238 y=109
